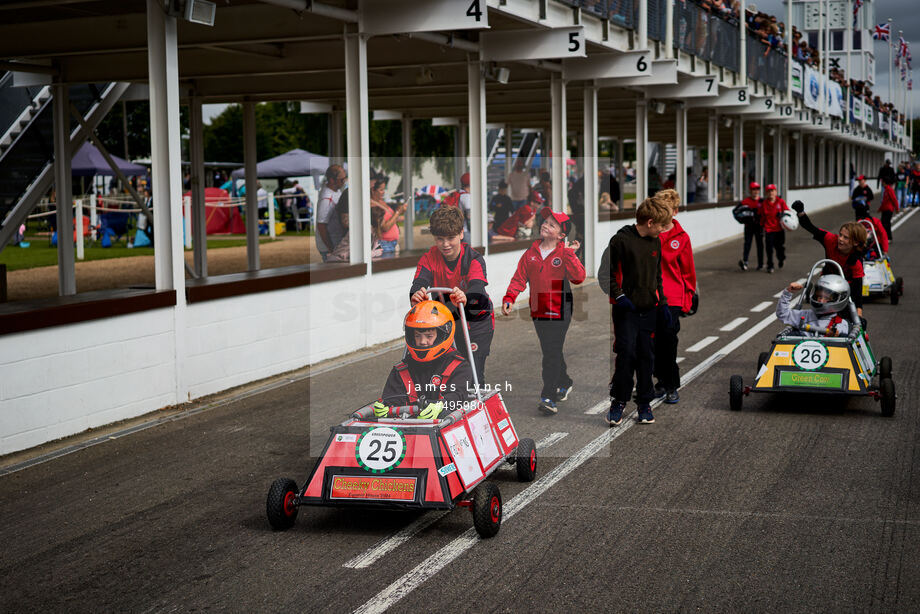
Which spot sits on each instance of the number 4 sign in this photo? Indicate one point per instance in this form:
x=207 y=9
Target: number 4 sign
x=404 y=16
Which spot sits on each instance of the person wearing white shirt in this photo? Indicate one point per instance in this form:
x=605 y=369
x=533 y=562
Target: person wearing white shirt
x=329 y=230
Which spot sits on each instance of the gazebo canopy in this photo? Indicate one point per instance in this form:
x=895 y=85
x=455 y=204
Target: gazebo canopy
x=295 y=163
x=88 y=162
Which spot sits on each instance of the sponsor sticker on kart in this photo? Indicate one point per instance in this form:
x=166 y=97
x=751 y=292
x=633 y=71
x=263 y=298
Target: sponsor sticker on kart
x=811 y=380
x=810 y=355
x=346 y=437
x=373 y=487
x=380 y=449
x=447 y=470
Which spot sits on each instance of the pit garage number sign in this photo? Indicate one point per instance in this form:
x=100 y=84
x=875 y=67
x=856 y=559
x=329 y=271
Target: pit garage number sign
x=380 y=449
x=810 y=355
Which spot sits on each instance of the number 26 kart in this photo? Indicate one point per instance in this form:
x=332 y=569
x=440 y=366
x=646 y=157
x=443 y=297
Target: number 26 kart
x=399 y=461
x=829 y=364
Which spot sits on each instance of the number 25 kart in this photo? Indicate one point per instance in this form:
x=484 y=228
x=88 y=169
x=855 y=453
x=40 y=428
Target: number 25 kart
x=820 y=364
x=878 y=279
x=403 y=462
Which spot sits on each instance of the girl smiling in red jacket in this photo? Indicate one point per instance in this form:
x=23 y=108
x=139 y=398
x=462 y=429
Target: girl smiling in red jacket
x=549 y=266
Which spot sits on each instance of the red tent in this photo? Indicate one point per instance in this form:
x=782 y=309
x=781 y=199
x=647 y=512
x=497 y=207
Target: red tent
x=221 y=219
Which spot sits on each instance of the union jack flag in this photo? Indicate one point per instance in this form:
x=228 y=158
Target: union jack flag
x=882 y=32
x=856 y=5
x=902 y=47
x=910 y=84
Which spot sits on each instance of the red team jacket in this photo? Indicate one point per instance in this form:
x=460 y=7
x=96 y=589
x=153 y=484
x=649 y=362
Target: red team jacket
x=548 y=279
x=510 y=226
x=889 y=200
x=678 y=274
x=769 y=214
x=751 y=203
x=879 y=233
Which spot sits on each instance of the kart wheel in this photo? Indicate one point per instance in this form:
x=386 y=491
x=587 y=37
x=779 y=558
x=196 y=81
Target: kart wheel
x=884 y=368
x=526 y=455
x=762 y=360
x=280 y=506
x=735 y=392
x=886 y=387
x=893 y=293
x=487 y=509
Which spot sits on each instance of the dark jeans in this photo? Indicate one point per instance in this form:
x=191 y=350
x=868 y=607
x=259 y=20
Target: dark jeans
x=753 y=232
x=775 y=241
x=886 y=223
x=666 y=370
x=552 y=339
x=635 y=352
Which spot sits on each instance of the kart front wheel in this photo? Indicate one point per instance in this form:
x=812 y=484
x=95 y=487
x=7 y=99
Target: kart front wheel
x=735 y=392
x=896 y=290
x=279 y=506
x=884 y=368
x=487 y=509
x=886 y=388
x=526 y=460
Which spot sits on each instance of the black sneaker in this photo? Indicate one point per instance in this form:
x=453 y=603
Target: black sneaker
x=743 y=265
x=660 y=391
x=645 y=415
x=672 y=397
x=770 y=270
x=781 y=263
x=759 y=267
x=615 y=413
x=547 y=406
x=563 y=393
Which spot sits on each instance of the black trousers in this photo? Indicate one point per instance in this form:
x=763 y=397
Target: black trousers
x=551 y=334
x=775 y=241
x=666 y=370
x=886 y=222
x=753 y=232
x=481 y=333
x=635 y=352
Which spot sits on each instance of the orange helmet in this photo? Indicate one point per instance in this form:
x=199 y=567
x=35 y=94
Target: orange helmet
x=429 y=316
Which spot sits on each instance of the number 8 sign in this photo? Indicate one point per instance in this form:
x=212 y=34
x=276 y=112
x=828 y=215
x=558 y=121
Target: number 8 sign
x=810 y=355
x=380 y=449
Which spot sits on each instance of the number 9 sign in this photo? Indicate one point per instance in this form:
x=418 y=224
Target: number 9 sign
x=810 y=355
x=380 y=449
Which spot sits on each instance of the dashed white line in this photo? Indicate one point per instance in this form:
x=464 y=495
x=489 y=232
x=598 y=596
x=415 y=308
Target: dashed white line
x=550 y=440
x=702 y=343
x=679 y=359
x=761 y=306
x=734 y=324
x=903 y=219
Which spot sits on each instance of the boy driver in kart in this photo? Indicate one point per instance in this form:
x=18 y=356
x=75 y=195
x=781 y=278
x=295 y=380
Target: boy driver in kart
x=830 y=301
x=433 y=375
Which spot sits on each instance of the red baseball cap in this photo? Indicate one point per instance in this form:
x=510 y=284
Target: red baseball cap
x=860 y=178
x=561 y=218
x=465 y=179
x=770 y=186
x=754 y=185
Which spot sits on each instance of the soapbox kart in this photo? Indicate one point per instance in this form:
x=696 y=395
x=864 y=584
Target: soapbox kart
x=822 y=364
x=401 y=462
x=878 y=280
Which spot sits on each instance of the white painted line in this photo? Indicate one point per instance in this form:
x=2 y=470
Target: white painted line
x=387 y=545
x=761 y=306
x=447 y=554
x=702 y=343
x=903 y=219
x=679 y=359
x=734 y=324
x=599 y=408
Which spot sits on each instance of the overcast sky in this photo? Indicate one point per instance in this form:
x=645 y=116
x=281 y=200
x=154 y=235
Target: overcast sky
x=905 y=15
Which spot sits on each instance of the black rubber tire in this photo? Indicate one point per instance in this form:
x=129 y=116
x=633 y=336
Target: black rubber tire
x=526 y=460
x=894 y=294
x=886 y=388
x=762 y=360
x=735 y=392
x=281 y=514
x=899 y=281
x=884 y=368
x=487 y=509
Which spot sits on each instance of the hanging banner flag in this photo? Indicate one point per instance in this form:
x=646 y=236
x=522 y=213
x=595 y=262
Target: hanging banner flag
x=835 y=102
x=870 y=119
x=883 y=122
x=855 y=110
x=812 y=88
x=796 y=78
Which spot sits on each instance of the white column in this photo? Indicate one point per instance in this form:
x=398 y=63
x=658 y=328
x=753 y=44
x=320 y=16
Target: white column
x=779 y=158
x=199 y=218
x=669 y=29
x=166 y=154
x=742 y=45
x=789 y=54
x=252 y=188
x=408 y=192
x=681 y=144
x=784 y=172
x=642 y=28
x=738 y=160
x=509 y=144
x=799 y=162
x=67 y=283
x=590 y=165
x=847 y=160
x=78 y=225
x=822 y=160
x=337 y=146
x=621 y=172
x=558 y=137
x=359 y=169
x=759 y=162
x=641 y=143
x=712 y=152
x=476 y=112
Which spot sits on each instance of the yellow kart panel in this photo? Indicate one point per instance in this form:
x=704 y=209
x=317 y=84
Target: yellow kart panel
x=833 y=367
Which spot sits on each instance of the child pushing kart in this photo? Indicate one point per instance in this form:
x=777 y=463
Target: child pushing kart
x=433 y=375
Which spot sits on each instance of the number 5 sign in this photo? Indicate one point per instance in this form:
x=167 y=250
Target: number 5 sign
x=515 y=45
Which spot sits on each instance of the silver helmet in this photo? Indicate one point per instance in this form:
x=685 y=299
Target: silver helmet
x=829 y=294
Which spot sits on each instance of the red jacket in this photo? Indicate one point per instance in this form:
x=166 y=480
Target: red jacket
x=889 y=200
x=769 y=214
x=548 y=279
x=510 y=226
x=753 y=203
x=678 y=274
x=879 y=232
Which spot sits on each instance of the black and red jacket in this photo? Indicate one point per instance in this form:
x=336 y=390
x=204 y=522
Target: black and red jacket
x=548 y=278
x=446 y=378
x=467 y=272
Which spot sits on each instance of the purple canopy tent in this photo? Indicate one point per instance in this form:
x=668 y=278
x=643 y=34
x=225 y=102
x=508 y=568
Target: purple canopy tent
x=295 y=163
x=88 y=162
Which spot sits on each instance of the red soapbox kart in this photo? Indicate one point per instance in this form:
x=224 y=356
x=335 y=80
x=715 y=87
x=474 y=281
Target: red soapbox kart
x=402 y=462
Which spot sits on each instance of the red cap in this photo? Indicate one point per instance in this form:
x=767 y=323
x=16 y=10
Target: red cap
x=465 y=179
x=771 y=186
x=754 y=185
x=860 y=178
x=560 y=217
